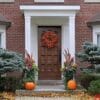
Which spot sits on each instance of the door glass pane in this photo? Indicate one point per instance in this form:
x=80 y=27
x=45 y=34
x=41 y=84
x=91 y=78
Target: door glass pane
x=98 y=40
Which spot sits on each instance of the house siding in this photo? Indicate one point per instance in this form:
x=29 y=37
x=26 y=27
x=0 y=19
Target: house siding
x=15 y=34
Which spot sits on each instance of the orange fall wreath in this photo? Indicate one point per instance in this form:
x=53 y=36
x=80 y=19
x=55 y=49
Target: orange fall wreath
x=49 y=39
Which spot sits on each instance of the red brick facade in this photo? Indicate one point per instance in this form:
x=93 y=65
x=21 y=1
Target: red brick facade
x=15 y=34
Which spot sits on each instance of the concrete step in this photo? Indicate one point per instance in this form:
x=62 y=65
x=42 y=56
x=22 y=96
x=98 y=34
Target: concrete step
x=47 y=88
x=42 y=89
x=35 y=93
x=53 y=88
x=50 y=82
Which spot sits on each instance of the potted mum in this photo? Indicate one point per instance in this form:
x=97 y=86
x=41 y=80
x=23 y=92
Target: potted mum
x=30 y=72
x=69 y=68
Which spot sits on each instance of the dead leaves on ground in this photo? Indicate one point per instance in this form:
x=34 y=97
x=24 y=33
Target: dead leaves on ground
x=72 y=96
x=7 y=96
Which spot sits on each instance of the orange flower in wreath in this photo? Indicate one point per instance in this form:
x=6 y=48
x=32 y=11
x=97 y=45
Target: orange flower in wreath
x=49 y=39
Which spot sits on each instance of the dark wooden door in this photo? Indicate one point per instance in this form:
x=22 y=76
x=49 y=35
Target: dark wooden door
x=49 y=58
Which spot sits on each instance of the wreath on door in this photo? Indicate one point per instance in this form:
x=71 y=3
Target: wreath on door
x=49 y=39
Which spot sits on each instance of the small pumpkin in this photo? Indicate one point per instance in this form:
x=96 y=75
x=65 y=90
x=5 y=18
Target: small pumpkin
x=30 y=85
x=72 y=84
x=97 y=97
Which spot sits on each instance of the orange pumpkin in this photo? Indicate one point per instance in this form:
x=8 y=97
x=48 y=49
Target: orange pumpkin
x=72 y=84
x=30 y=85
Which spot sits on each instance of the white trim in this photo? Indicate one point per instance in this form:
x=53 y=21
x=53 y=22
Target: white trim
x=34 y=42
x=0 y=40
x=49 y=1
x=54 y=11
x=45 y=21
x=72 y=35
x=49 y=7
x=3 y=36
x=63 y=22
x=98 y=39
x=28 y=33
x=96 y=31
x=92 y=1
x=7 y=1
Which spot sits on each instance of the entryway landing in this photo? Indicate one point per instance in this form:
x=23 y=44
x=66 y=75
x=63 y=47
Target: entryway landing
x=49 y=89
x=50 y=85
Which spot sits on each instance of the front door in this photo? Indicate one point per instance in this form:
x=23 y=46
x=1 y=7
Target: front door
x=49 y=52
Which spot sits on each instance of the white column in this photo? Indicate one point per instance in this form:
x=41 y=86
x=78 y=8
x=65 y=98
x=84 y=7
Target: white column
x=28 y=33
x=72 y=35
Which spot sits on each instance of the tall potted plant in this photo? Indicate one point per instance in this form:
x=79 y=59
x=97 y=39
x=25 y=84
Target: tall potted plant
x=30 y=72
x=69 y=68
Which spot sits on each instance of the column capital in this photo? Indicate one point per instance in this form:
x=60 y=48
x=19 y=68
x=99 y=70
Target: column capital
x=72 y=17
x=27 y=17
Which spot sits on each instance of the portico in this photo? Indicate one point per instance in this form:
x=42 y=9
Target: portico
x=43 y=15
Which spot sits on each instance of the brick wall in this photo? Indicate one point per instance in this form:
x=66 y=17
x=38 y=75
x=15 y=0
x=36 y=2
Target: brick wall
x=84 y=33
x=15 y=34
x=72 y=2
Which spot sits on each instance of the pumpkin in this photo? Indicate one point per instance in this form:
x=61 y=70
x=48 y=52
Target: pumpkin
x=71 y=84
x=97 y=97
x=30 y=85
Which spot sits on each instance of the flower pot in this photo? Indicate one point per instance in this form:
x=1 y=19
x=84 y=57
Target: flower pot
x=30 y=85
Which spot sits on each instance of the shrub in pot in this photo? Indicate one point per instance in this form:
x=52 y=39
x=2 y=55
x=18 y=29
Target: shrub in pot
x=30 y=72
x=69 y=68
